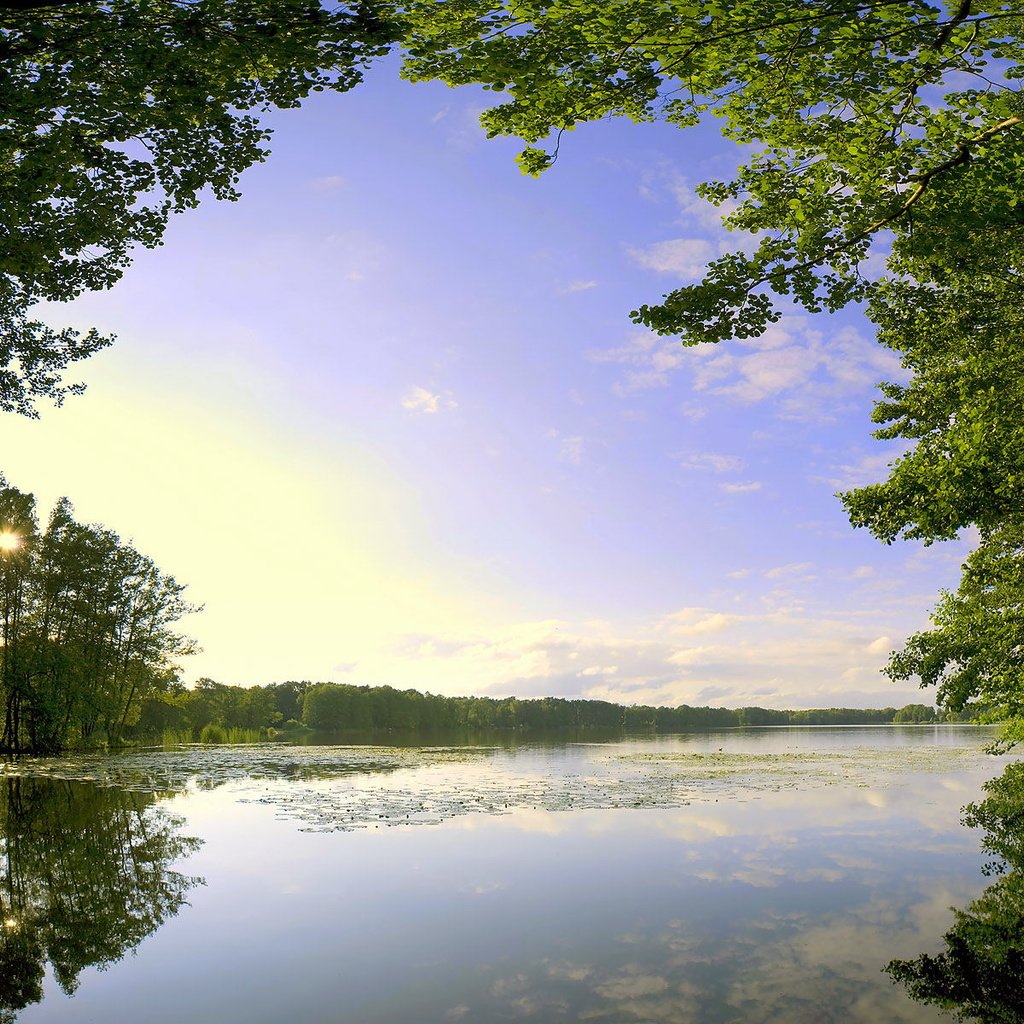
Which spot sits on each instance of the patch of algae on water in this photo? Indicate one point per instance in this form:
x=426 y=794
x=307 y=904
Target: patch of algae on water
x=346 y=788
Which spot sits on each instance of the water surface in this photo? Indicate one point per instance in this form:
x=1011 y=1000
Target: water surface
x=756 y=875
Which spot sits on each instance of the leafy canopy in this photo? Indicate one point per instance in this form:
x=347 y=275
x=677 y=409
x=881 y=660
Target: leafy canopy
x=116 y=114
x=867 y=116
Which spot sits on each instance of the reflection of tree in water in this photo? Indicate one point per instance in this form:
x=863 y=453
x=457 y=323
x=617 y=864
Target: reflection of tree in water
x=980 y=974
x=84 y=878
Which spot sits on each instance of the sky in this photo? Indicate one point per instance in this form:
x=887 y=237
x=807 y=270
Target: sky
x=388 y=417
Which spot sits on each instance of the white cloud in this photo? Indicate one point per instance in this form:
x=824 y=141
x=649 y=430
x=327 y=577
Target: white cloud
x=422 y=400
x=329 y=183
x=867 y=470
x=691 y=655
x=635 y=352
x=699 y=212
x=772 y=371
x=684 y=257
x=577 y=286
x=694 y=621
x=793 y=364
x=712 y=461
x=789 y=569
x=570 y=449
x=781 y=656
x=651 y=360
x=741 y=488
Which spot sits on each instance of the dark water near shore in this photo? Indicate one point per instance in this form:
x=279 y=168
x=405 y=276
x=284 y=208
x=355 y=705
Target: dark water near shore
x=759 y=875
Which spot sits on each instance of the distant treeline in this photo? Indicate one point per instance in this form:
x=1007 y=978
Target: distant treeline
x=213 y=710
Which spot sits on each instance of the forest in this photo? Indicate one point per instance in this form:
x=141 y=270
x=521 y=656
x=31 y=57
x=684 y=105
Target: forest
x=888 y=130
x=871 y=129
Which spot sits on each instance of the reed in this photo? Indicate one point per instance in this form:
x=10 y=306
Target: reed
x=213 y=733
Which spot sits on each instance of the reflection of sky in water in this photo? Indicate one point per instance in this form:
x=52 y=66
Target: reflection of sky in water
x=769 y=896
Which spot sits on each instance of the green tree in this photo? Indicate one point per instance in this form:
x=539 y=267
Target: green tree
x=115 y=115
x=17 y=535
x=871 y=116
x=287 y=699
x=88 y=629
x=914 y=714
x=974 y=652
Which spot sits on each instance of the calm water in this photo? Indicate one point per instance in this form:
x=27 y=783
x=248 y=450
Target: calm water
x=763 y=875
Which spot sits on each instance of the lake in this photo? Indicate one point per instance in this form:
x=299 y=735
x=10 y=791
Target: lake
x=754 y=875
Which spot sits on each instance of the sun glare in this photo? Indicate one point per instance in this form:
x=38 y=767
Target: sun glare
x=9 y=541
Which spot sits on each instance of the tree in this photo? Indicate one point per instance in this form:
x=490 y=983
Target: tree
x=118 y=113
x=974 y=651
x=887 y=127
x=914 y=714
x=88 y=629
x=17 y=534
x=871 y=116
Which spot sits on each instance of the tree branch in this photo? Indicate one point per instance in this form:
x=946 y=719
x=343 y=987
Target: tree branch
x=961 y=15
x=923 y=180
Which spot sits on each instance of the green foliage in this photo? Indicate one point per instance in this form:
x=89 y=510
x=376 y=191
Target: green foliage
x=212 y=733
x=960 y=409
x=334 y=707
x=87 y=630
x=287 y=698
x=865 y=117
x=175 y=738
x=236 y=735
x=974 y=652
x=212 y=711
x=117 y=115
x=914 y=714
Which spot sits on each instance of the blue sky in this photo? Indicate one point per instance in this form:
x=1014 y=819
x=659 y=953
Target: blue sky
x=388 y=417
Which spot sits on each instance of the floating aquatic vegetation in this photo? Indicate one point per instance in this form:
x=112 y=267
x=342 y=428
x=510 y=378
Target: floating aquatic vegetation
x=207 y=766
x=656 y=779
x=331 y=788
